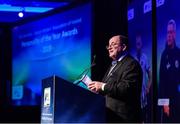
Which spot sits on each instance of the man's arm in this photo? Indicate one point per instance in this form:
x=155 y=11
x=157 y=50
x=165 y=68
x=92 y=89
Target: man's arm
x=162 y=75
x=149 y=81
x=128 y=84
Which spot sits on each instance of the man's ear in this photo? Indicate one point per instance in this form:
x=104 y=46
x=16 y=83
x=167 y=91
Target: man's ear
x=124 y=47
x=174 y=34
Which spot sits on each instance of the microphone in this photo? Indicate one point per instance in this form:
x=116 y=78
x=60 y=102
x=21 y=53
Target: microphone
x=86 y=71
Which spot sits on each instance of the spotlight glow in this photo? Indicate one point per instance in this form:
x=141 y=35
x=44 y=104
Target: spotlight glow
x=20 y=14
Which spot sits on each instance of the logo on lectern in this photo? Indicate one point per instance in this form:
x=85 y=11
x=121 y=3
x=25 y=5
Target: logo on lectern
x=47 y=97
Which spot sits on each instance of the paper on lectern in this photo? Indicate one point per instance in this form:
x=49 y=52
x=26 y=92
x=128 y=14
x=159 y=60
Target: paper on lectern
x=86 y=80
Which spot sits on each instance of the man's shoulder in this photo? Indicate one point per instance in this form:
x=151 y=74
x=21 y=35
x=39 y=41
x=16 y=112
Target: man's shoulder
x=130 y=59
x=178 y=49
x=131 y=62
x=164 y=52
x=178 y=52
x=144 y=56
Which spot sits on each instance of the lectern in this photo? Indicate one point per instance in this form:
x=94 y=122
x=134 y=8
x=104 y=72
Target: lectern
x=65 y=102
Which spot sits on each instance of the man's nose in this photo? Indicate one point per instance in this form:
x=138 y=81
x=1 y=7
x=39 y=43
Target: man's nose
x=110 y=48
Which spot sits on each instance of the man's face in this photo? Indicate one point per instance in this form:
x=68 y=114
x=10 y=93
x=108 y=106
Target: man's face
x=114 y=47
x=171 y=34
x=138 y=43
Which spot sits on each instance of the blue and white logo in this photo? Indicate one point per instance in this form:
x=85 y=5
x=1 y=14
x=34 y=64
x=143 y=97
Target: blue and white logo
x=159 y=3
x=130 y=14
x=47 y=97
x=147 y=6
x=17 y=92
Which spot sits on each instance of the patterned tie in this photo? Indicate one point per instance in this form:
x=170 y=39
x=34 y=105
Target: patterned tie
x=114 y=63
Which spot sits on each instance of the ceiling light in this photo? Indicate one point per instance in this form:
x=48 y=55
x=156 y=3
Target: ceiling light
x=20 y=14
x=9 y=8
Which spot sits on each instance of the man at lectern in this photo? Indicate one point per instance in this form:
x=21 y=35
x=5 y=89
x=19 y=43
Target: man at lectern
x=121 y=84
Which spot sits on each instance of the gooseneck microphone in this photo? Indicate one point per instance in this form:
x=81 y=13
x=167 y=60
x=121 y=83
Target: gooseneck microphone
x=86 y=71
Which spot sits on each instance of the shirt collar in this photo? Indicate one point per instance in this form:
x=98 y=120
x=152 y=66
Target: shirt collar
x=120 y=58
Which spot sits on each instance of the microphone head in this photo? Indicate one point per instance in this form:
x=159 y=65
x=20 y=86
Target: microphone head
x=93 y=62
x=94 y=57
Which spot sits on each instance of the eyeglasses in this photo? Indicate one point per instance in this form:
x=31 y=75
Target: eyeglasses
x=112 y=45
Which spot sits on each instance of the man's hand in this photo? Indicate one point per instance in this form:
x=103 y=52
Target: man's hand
x=147 y=90
x=95 y=86
x=148 y=87
x=166 y=110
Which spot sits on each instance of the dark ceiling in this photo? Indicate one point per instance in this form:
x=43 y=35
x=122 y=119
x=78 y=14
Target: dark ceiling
x=9 y=9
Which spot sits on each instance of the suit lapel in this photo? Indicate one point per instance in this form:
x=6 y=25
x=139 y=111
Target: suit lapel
x=106 y=74
x=106 y=77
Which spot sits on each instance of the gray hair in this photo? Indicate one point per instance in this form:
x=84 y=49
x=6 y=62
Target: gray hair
x=172 y=22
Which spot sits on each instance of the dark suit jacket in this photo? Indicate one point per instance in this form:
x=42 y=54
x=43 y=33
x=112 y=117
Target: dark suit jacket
x=122 y=90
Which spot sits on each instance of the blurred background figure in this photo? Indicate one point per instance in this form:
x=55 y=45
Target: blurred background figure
x=147 y=77
x=169 y=79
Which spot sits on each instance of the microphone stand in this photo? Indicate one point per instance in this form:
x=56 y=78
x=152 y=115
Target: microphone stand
x=85 y=72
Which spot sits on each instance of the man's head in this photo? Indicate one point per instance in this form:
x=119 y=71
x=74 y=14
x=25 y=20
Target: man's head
x=117 y=45
x=171 y=33
x=138 y=43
